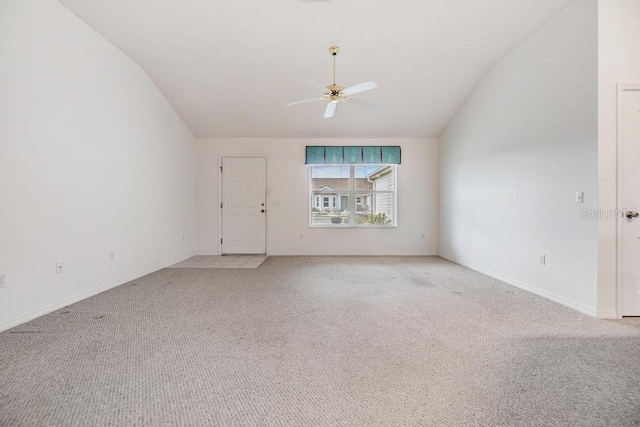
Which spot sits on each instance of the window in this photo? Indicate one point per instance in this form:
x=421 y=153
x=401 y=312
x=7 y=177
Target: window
x=352 y=195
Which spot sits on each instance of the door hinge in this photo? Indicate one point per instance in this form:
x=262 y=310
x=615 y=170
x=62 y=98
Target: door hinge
x=220 y=169
x=220 y=241
x=220 y=205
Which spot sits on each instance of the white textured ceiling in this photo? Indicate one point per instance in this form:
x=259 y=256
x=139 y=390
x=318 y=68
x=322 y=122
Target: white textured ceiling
x=229 y=67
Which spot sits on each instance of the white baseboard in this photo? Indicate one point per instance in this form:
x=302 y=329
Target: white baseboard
x=608 y=315
x=356 y=253
x=8 y=324
x=348 y=253
x=531 y=289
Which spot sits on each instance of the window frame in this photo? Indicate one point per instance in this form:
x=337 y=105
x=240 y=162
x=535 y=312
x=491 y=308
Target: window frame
x=352 y=194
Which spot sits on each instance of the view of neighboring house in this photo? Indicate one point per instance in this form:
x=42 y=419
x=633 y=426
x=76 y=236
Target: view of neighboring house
x=382 y=179
x=330 y=201
x=332 y=194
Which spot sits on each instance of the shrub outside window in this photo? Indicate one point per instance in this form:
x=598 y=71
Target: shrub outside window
x=343 y=196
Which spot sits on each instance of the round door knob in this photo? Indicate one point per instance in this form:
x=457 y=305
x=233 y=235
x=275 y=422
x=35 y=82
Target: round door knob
x=262 y=211
x=632 y=214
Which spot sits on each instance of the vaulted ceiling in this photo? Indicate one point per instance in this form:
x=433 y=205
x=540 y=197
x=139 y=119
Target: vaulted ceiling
x=229 y=67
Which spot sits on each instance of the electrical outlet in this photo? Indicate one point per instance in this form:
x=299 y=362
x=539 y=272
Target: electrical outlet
x=3 y=280
x=579 y=197
x=112 y=256
x=59 y=267
x=543 y=260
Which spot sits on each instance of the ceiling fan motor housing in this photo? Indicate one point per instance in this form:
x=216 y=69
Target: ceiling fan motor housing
x=335 y=88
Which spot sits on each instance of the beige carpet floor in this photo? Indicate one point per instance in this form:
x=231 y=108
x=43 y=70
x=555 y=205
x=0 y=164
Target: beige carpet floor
x=313 y=341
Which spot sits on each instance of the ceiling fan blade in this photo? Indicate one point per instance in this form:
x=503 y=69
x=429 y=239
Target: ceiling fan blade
x=361 y=103
x=360 y=88
x=302 y=102
x=317 y=86
x=331 y=108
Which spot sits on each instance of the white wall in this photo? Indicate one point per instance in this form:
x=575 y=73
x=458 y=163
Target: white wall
x=513 y=158
x=288 y=196
x=93 y=159
x=618 y=62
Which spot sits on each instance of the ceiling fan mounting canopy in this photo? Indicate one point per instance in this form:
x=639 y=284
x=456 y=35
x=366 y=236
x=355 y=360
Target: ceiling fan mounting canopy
x=336 y=92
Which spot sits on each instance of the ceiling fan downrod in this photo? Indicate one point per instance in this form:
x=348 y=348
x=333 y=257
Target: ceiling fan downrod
x=334 y=89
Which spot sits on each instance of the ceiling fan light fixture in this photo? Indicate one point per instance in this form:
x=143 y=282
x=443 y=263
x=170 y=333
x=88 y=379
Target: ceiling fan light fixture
x=335 y=91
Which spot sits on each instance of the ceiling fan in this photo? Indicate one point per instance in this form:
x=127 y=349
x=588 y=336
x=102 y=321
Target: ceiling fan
x=335 y=92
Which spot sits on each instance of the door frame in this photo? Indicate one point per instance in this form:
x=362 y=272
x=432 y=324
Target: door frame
x=266 y=195
x=622 y=88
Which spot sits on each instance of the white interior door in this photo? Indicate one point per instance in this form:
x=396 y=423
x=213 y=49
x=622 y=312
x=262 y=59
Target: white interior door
x=630 y=198
x=243 y=205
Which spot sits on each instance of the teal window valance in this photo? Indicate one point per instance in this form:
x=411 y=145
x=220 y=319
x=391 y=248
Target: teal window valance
x=331 y=155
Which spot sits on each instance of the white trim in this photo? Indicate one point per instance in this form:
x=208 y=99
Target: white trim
x=358 y=253
x=352 y=193
x=530 y=288
x=608 y=315
x=8 y=324
x=622 y=87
